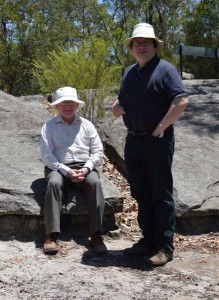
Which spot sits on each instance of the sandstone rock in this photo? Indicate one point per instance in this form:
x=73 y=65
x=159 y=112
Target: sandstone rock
x=195 y=166
x=187 y=76
x=22 y=183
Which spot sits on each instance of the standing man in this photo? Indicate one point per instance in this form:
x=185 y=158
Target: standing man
x=150 y=100
x=71 y=151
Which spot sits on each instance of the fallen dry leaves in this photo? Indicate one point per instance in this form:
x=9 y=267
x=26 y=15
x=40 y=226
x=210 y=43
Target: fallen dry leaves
x=127 y=219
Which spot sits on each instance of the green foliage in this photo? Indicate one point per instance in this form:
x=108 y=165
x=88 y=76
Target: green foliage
x=84 y=68
x=166 y=17
x=31 y=30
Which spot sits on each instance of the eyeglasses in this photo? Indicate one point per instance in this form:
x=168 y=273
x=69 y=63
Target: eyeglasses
x=141 y=44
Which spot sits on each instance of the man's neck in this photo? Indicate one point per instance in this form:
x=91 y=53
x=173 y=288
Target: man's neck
x=143 y=63
x=69 y=120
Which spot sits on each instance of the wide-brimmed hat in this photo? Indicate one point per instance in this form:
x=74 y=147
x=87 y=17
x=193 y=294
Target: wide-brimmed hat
x=66 y=94
x=143 y=30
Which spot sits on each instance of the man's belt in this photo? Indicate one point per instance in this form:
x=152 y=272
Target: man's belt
x=76 y=165
x=146 y=132
x=137 y=133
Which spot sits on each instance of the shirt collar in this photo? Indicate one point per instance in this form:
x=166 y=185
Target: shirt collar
x=152 y=62
x=59 y=119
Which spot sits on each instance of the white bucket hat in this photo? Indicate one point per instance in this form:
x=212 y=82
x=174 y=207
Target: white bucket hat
x=143 y=30
x=66 y=94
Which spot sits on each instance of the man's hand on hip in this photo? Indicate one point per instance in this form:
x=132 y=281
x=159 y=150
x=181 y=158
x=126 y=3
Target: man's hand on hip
x=117 y=109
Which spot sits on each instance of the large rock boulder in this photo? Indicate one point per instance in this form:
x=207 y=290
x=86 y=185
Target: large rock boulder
x=22 y=183
x=195 y=166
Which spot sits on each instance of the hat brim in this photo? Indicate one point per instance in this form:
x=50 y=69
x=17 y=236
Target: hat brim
x=128 y=41
x=81 y=103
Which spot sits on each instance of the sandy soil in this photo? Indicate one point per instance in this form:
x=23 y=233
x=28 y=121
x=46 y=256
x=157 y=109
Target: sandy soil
x=76 y=273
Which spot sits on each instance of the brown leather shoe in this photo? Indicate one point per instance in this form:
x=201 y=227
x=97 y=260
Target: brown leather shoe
x=98 y=245
x=50 y=244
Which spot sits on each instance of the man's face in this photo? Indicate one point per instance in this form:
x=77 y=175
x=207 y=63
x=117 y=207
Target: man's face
x=67 y=110
x=143 y=50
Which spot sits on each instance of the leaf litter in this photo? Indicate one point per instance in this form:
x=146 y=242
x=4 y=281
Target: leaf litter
x=127 y=219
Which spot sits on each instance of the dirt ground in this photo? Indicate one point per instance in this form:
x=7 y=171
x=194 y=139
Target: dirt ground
x=77 y=273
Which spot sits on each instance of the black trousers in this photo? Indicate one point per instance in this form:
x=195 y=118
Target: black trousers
x=148 y=161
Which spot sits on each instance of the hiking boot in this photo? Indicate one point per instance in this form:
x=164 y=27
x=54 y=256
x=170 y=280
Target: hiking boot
x=97 y=244
x=160 y=259
x=137 y=249
x=50 y=244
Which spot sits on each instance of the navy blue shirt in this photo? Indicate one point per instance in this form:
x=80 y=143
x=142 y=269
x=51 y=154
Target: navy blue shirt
x=146 y=93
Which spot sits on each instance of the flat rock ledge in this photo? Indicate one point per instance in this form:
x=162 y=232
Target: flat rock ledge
x=24 y=211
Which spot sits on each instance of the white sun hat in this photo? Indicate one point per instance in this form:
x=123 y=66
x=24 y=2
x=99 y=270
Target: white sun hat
x=143 y=30
x=66 y=94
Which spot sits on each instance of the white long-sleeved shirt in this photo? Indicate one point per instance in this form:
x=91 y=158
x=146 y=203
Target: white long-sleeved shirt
x=62 y=144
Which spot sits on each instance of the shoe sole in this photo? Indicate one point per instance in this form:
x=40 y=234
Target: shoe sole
x=50 y=250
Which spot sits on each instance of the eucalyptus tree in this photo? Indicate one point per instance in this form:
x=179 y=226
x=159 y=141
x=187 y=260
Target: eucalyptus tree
x=31 y=28
x=166 y=16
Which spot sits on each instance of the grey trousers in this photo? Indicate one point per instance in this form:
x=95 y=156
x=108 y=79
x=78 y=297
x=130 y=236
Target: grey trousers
x=91 y=186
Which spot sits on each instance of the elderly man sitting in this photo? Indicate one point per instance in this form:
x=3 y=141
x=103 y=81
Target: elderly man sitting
x=71 y=150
